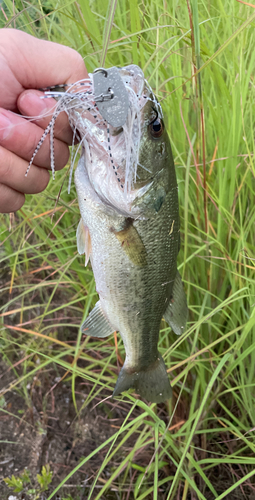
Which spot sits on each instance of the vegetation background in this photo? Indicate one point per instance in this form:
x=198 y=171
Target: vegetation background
x=199 y=57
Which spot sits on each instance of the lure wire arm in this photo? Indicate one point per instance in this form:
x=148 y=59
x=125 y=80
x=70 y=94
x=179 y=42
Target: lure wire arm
x=105 y=97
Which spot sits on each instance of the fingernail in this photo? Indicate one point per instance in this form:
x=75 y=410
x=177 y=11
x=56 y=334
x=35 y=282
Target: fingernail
x=5 y=127
x=32 y=104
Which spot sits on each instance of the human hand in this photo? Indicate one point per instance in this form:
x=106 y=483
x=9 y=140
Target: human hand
x=29 y=63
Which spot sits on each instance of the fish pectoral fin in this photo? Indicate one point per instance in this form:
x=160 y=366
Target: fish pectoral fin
x=176 y=314
x=83 y=241
x=151 y=383
x=97 y=324
x=132 y=244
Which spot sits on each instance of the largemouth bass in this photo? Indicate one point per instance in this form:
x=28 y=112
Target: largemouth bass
x=129 y=228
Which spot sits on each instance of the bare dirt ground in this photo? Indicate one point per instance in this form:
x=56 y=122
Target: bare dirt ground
x=49 y=432
x=46 y=429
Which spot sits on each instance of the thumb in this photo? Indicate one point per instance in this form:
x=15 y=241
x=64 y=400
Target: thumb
x=47 y=64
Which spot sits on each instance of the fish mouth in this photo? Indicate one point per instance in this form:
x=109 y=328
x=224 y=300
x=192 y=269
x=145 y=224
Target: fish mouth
x=112 y=153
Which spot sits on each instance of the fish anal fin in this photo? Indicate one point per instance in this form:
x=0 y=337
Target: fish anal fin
x=83 y=241
x=132 y=244
x=176 y=313
x=97 y=324
x=152 y=384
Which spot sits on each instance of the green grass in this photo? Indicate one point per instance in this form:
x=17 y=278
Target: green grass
x=46 y=290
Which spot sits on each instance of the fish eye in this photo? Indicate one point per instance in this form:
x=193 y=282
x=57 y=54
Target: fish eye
x=156 y=127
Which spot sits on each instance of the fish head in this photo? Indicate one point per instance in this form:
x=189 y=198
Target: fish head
x=123 y=161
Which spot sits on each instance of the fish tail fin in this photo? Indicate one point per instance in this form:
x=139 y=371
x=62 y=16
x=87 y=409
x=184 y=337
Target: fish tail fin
x=152 y=384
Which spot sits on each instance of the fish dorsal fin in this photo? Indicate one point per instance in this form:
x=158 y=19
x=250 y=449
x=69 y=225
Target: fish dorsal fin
x=97 y=324
x=83 y=241
x=176 y=314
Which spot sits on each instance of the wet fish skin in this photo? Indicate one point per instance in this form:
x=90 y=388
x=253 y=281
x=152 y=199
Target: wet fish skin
x=134 y=264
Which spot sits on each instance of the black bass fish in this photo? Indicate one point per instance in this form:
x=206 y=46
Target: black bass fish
x=129 y=227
